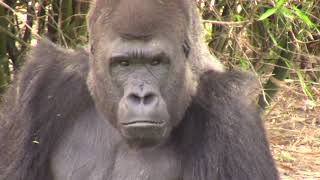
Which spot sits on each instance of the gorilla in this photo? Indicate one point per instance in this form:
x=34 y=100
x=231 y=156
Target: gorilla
x=144 y=101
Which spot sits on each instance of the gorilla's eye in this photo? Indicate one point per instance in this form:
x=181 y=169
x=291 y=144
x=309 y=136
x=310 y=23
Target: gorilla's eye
x=124 y=63
x=155 y=62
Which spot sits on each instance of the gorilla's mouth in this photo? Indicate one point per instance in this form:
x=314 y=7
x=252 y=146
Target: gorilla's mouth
x=144 y=132
x=143 y=123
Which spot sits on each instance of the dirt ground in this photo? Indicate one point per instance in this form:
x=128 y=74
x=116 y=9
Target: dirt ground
x=293 y=127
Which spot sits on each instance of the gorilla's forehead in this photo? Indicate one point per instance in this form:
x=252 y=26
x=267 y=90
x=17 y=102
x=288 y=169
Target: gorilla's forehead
x=122 y=48
x=152 y=46
x=143 y=18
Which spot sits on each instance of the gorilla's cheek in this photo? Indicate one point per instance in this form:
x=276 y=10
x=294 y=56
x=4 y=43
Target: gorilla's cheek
x=178 y=93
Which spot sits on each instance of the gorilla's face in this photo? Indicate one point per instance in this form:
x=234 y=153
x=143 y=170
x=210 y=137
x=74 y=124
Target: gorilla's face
x=140 y=86
x=139 y=76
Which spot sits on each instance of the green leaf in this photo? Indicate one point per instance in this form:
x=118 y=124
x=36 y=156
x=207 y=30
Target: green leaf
x=273 y=38
x=238 y=17
x=287 y=157
x=305 y=87
x=286 y=13
x=280 y=3
x=244 y=64
x=268 y=13
x=303 y=17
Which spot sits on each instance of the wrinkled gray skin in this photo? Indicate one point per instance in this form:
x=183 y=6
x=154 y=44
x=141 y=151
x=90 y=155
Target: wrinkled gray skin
x=145 y=102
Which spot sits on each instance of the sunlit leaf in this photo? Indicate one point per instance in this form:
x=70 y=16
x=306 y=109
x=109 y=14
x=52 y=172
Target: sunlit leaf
x=273 y=38
x=267 y=14
x=238 y=17
x=244 y=64
x=287 y=157
x=303 y=17
x=280 y=3
x=286 y=13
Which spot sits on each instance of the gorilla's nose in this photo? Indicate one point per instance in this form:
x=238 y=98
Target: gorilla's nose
x=143 y=98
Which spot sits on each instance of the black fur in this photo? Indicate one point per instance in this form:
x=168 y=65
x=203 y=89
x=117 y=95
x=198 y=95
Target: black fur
x=51 y=89
x=66 y=118
x=221 y=136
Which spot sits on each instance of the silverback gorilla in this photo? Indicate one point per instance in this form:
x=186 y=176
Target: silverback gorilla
x=146 y=101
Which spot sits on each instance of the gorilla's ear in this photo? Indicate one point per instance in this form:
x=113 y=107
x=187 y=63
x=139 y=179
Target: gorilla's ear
x=186 y=47
x=92 y=49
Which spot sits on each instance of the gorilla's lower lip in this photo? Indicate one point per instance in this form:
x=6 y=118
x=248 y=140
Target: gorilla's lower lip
x=143 y=123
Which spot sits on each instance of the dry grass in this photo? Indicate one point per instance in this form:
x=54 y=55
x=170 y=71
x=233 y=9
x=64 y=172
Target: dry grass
x=293 y=125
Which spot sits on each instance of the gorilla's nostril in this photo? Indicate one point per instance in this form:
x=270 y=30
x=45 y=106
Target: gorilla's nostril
x=134 y=98
x=149 y=99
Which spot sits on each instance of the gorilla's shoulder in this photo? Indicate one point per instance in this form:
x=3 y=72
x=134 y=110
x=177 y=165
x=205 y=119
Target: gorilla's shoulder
x=229 y=88
x=233 y=82
x=50 y=58
x=52 y=75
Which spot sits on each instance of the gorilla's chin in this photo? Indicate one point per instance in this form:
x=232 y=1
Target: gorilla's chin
x=145 y=133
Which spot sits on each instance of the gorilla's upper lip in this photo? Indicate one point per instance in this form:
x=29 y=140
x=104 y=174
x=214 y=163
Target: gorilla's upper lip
x=143 y=123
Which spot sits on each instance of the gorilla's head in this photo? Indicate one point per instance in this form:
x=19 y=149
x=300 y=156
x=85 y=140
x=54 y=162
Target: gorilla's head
x=141 y=74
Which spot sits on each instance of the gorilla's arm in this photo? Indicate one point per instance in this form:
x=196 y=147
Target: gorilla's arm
x=223 y=134
x=50 y=92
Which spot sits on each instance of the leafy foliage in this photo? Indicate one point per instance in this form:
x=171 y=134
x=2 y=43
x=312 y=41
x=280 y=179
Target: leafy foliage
x=278 y=39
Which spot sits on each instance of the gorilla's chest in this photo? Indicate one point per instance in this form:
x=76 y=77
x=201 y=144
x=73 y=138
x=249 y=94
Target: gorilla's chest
x=148 y=164
x=92 y=150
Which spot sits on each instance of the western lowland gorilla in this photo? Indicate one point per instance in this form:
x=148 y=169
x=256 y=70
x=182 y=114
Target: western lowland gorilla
x=146 y=101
